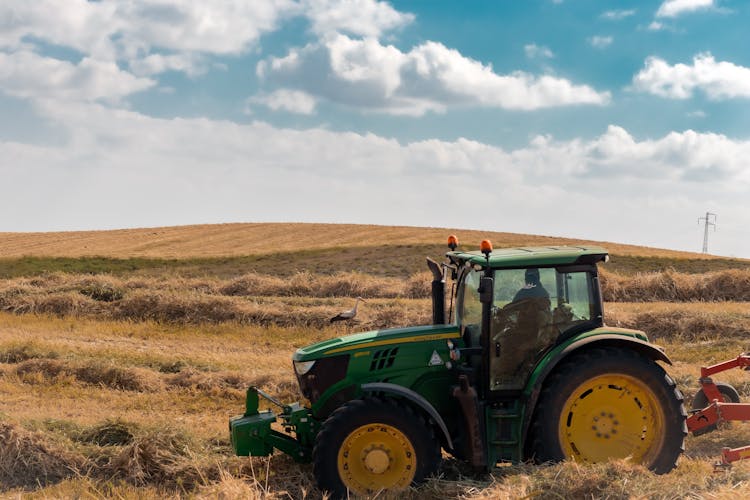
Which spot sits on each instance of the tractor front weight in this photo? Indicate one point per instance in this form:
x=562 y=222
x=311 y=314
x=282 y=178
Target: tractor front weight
x=251 y=433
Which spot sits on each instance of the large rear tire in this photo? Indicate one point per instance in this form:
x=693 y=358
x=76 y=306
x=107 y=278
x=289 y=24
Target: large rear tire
x=369 y=445
x=607 y=403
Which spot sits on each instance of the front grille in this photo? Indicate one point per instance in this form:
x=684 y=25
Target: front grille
x=324 y=373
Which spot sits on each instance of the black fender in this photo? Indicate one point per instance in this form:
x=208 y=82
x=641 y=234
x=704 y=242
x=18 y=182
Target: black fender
x=413 y=397
x=611 y=340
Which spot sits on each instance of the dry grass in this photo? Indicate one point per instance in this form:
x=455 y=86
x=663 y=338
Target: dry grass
x=30 y=460
x=303 y=300
x=255 y=239
x=156 y=426
x=727 y=285
x=689 y=322
x=138 y=409
x=309 y=300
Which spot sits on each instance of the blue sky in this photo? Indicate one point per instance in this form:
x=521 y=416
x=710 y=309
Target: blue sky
x=616 y=121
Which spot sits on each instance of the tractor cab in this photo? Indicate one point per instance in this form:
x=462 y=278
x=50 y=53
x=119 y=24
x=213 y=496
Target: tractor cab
x=537 y=298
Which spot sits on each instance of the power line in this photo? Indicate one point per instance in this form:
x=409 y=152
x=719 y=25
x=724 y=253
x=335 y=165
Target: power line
x=708 y=222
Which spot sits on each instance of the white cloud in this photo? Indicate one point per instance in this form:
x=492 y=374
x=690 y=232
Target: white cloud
x=293 y=101
x=369 y=18
x=190 y=64
x=616 y=15
x=674 y=8
x=112 y=28
x=600 y=42
x=655 y=26
x=718 y=80
x=534 y=51
x=26 y=74
x=139 y=33
x=141 y=171
x=430 y=77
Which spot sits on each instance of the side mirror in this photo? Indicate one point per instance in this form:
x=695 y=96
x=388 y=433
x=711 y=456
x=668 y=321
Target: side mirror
x=486 y=287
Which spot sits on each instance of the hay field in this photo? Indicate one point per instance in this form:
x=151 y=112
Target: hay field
x=119 y=385
x=225 y=240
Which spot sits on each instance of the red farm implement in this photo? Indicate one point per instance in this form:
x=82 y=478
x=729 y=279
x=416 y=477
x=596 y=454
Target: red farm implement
x=718 y=402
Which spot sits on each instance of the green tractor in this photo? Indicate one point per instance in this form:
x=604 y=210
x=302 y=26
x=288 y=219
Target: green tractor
x=518 y=367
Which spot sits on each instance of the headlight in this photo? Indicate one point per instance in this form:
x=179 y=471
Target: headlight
x=302 y=367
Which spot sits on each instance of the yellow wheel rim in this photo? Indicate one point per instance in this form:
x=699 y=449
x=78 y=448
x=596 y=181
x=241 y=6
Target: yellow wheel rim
x=376 y=457
x=612 y=416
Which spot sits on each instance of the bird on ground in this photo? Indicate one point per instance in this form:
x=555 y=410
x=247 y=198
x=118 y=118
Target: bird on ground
x=348 y=315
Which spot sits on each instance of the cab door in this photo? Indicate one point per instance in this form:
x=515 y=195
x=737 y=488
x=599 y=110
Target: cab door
x=533 y=309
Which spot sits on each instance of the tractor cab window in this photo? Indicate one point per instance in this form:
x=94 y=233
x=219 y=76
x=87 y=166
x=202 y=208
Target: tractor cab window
x=533 y=307
x=471 y=309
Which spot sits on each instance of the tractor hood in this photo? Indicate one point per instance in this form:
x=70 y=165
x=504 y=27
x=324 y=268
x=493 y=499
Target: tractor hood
x=348 y=343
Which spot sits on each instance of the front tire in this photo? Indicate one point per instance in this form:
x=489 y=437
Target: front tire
x=609 y=403
x=369 y=445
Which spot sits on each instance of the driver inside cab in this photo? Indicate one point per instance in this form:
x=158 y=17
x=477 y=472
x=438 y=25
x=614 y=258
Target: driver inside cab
x=520 y=328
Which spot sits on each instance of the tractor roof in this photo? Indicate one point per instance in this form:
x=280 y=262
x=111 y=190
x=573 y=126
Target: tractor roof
x=534 y=256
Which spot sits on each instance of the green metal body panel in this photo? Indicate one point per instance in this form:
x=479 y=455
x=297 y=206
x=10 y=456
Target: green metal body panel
x=403 y=356
x=373 y=340
x=541 y=366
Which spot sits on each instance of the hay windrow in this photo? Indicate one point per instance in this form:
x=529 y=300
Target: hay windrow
x=18 y=352
x=96 y=374
x=672 y=286
x=113 y=432
x=685 y=325
x=165 y=457
x=30 y=460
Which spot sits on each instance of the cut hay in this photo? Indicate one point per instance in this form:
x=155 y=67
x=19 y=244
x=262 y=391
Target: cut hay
x=672 y=286
x=109 y=433
x=94 y=373
x=163 y=457
x=18 y=352
x=685 y=325
x=30 y=460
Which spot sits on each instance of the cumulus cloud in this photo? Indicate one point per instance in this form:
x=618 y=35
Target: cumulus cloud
x=534 y=51
x=142 y=32
x=369 y=18
x=115 y=40
x=655 y=26
x=137 y=170
x=430 y=77
x=26 y=74
x=109 y=28
x=719 y=80
x=191 y=64
x=600 y=42
x=674 y=8
x=293 y=101
x=616 y=15
x=679 y=156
